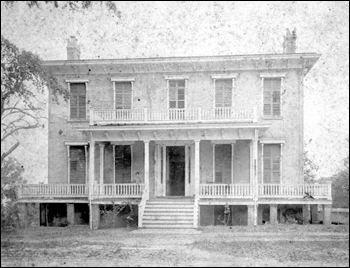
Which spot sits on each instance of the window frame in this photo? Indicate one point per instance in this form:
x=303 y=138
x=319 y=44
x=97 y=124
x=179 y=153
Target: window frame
x=77 y=144
x=123 y=80
x=185 y=91
x=231 y=76
x=78 y=81
x=281 y=76
x=272 y=142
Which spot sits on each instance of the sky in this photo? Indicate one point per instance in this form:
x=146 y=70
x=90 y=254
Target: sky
x=162 y=29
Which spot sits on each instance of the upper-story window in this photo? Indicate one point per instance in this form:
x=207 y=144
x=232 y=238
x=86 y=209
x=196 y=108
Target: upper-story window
x=123 y=95
x=272 y=96
x=77 y=100
x=177 y=94
x=272 y=163
x=223 y=93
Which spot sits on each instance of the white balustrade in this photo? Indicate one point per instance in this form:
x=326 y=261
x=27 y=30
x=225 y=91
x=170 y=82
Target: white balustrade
x=101 y=116
x=53 y=190
x=116 y=190
x=294 y=190
x=226 y=190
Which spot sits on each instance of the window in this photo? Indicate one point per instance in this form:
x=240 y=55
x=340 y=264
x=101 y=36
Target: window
x=123 y=163
x=123 y=95
x=272 y=96
x=177 y=94
x=222 y=163
x=78 y=101
x=77 y=164
x=223 y=93
x=272 y=163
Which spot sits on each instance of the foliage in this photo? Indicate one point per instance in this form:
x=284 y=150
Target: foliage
x=11 y=176
x=310 y=169
x=118 y=215
x=73 y=5
x=23 y=79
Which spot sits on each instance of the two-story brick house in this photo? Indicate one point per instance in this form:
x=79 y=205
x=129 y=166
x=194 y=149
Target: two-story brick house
x=181 y=137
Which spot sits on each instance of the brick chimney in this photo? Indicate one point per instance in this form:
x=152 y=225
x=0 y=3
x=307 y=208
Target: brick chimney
x=73 y=49
x=289 y=43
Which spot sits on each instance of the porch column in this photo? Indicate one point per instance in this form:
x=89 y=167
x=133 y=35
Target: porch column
x=314 y=214
x=196 y=182
x=254 y=166
x=70 y=214
x=273 y=213
x=250 y=215
x=196 y=167
x=306 y=214
x=327 y=213
x=147 y=169
x=91 y=177
x=102 y=156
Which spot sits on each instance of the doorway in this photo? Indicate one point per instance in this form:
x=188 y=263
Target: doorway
x=176 y=171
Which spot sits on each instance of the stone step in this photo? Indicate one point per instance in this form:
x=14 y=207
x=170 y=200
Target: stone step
x=169 y=227
x=168 y=217
x=170 y=205
x=169 y=222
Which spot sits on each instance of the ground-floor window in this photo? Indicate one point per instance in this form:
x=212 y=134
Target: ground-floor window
x=77 y=164
x=272 y=163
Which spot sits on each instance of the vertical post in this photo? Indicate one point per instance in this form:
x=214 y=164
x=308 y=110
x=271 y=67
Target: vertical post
x=68 y=164
x=255 y=177
x=102 y=153
x=273 y=214
x=232 y=156
x=164 y=170
x=91 y=176
x=70 y=214
x=327 y=213
x=113 y=155
x=196 y=180
x=86 y=164
x=186 y=171
x=306 y=214
x=147 y=168
x=314 y=214
x=329 y=184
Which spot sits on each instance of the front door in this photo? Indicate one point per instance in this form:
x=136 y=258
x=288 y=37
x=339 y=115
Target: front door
x=176 y=171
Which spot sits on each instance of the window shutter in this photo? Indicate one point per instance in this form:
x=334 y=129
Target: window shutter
x=272 y=163
x=78 y=100
x=77 y=165
x=123 y=95
x=223 y=93
x=272 y=96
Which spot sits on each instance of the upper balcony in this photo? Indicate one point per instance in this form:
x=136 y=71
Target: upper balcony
x=99 y=116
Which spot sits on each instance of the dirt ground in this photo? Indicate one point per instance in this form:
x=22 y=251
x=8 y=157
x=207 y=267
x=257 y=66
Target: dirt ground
x=281 y=245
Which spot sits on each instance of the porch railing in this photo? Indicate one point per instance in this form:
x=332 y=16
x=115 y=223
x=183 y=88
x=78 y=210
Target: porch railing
x=118 y=190
x=226 y=190
x=53 y=190
x=295 y=190
x=148 y=116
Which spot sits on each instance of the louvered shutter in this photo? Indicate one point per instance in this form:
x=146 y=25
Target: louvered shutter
x=123 y=95
x=78 y=100
x=272 y=163
x=77 y=165
x=223 y=93
x=272 y=96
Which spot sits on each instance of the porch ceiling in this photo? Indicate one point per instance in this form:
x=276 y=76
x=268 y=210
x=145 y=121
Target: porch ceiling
x=176 y=132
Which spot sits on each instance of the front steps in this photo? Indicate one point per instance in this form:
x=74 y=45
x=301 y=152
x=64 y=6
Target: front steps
x=166 y=213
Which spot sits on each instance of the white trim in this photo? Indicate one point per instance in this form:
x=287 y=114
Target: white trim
x=174 y=142
x=271 y=141
x=224 y=76
x=77 y=81
x=122 y=142
x=87 y=113
x=132 y=90
x=175 y=77
x=68 y=163
x=223 y=141
x=232 y=157
x=132 y=163
x=214 y=168
x=76 y=143
x=272 y=75
x=123 y=79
